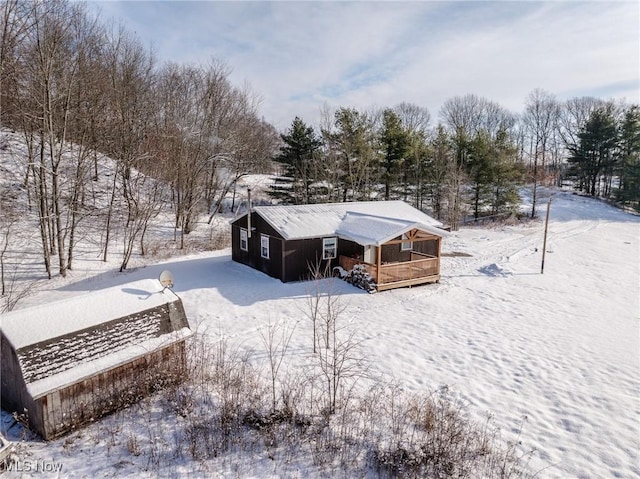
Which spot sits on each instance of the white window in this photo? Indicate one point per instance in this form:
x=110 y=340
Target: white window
x=264 y=246
x=329 y=248
x=406 y=245
x=244 y=240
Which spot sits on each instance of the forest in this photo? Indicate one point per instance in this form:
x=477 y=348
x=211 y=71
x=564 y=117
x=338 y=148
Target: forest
x=180 y=137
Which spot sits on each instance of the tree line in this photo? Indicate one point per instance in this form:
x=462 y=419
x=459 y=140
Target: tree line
x=179 y=135
x=471 y=162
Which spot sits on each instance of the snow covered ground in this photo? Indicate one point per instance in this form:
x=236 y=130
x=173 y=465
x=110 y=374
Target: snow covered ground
x=559 y=350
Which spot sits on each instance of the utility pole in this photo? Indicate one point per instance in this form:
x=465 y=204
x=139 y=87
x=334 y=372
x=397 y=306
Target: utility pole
x=546 y=228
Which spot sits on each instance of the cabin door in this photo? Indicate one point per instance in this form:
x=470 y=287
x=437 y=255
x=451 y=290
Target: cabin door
x=370 y=254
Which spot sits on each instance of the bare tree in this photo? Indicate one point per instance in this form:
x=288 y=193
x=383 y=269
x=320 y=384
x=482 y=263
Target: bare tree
x=194 y=106
x=144 y=200
x=463 y=114
x=574 y=114
x=53 y=54
x=15 y=22
x=247 y=144
x=8 y=220
x=276 y=343
x=541 y=118
x=415 y=118
x=471 y=114
x=336 y=349
x=339 y=361
x=316 y=291
x=129 y=69
x=85 y=102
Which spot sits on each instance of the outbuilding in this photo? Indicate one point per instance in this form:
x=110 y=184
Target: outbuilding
x=398 y=244
x=72 y=361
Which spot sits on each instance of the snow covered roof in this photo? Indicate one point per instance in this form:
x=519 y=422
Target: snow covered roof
x=64 y=341
x=370 y=230
x=46 y=321
x=313 y=221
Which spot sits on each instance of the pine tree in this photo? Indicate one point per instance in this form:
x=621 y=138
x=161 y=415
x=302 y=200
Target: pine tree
x=298 y=157
x=395 y=143
x=352 y=140
x=594 y=156
x=478 y=165
x=505 y=174
x=493 y=173
x=440 y=156
x=629 y=164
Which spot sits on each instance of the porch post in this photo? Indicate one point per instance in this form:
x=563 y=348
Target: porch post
x=378 y=263
x=439 y=249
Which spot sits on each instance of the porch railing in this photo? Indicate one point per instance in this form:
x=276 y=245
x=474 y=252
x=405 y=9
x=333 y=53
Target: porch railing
x=409 y=270
x=420 y=266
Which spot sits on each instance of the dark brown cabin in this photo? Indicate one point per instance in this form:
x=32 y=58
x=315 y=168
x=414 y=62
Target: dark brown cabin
x=398 y=244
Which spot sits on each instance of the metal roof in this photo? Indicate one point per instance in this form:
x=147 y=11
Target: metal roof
x=318 y=220
x=368 y=230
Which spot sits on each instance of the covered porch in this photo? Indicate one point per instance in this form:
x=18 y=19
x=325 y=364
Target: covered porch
x=411 y=258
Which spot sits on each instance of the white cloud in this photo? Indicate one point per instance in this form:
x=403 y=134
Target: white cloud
x=299 y=55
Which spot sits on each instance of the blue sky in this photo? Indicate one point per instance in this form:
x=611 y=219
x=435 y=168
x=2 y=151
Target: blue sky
x=300 y=57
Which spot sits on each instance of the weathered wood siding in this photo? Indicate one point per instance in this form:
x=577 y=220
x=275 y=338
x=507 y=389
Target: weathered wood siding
x=63 y=410
x=14 y=395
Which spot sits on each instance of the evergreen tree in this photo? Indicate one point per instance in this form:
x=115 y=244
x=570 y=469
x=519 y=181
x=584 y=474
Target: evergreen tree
x=441 y=155
x=352 y=140
x=395 y=143
x=593 y=157
x=416 y=168
x=479 y=168
x=494 y=173
x=629 y=163
x=506 y=173
x=298 y=157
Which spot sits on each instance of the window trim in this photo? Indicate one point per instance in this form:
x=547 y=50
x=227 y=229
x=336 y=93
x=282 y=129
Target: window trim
x=406 y=245
x=244 y=239
x=264 y=246
x=334 y=240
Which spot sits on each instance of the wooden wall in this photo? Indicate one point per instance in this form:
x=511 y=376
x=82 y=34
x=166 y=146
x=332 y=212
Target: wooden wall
x=14 y=394
x=301 y=255
x=63 y=410
x=273 y=266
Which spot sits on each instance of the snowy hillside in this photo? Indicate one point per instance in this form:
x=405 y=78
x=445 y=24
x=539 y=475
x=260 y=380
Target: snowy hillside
x=559 y=350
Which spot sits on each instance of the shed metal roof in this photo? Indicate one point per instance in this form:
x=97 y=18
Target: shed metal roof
x=46 y=321
x=65 y=341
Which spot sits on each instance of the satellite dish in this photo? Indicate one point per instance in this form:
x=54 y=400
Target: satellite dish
x=166 y=279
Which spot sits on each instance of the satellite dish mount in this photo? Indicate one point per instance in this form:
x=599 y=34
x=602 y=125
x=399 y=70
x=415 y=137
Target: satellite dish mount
x=166 y=279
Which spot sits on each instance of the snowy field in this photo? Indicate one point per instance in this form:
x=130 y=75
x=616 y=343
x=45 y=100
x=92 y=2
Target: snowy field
x=559 y=351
